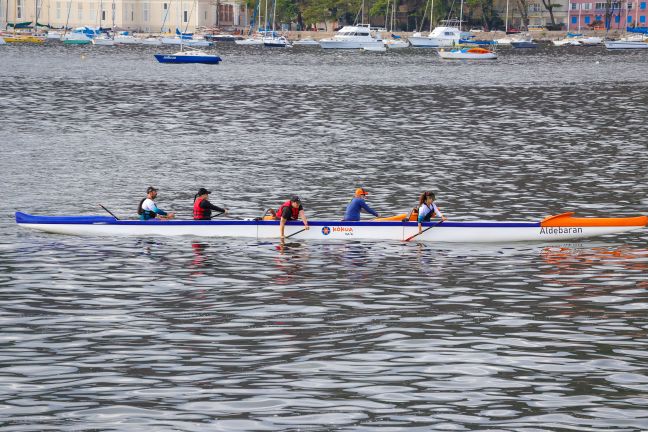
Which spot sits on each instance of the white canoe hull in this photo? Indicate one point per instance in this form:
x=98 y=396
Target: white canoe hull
x=463 y=232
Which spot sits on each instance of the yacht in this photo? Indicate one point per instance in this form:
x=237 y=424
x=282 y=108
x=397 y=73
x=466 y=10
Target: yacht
x=353 y=37
x=439 y=37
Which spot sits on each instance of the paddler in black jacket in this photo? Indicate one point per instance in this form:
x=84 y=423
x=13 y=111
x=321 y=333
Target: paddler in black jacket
x=202 y=208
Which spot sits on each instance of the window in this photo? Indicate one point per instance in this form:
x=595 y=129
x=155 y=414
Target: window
x=630 y=6
x=80 y=10
x=19 y=8
x=574 y=20
x=587 y=6
x=58 y=10
x=103 y=15
x=642 y=5
x=616 y=19
x=574 y=6
x=599 y=18
x=587 y=20
x=642 y=19
x=185 y=16
x=600 y=6
x=145 y=12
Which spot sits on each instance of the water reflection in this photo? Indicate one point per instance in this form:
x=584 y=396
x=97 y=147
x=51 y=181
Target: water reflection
x=232 y=334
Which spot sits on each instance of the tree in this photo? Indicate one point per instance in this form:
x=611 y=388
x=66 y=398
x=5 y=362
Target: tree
x=523 y=5
x=550 y=7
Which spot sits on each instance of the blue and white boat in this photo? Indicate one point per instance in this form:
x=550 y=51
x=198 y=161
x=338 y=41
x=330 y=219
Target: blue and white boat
x=193 y=56
x=553 y=228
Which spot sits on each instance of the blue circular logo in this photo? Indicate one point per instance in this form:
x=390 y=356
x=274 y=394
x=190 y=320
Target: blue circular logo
x=326 y=230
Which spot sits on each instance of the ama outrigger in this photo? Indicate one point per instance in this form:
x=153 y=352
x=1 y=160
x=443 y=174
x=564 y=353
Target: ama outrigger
x=553 y=228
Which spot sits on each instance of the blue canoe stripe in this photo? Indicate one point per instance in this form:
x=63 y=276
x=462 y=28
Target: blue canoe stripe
x=81 y=220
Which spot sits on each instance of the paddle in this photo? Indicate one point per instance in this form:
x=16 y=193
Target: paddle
x=111 y=213
x=295 y=233
x=428 y=228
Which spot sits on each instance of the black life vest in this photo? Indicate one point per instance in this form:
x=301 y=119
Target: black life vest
x=145 y=214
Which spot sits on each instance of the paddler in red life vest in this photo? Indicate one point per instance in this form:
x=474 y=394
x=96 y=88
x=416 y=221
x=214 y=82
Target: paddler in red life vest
x=290 y=210
x=202 y=208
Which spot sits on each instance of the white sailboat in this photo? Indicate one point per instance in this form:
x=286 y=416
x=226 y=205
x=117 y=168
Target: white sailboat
x=103 y=39
x=394 y=42
x=274 y=40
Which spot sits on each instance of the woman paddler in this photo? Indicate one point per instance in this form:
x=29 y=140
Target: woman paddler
x=202 y=208
x=148 y=209
x=428 y=209
x=290 y=210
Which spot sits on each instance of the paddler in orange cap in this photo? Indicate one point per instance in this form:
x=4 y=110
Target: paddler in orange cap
x=358 y=204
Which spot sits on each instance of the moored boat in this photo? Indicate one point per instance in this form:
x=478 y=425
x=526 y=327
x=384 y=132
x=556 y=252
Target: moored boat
x=188 y=57
x=353 y=37
x=553 y=228
x=467 y=53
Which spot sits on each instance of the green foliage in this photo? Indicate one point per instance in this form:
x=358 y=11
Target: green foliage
x=379 y=8
x=287 y=11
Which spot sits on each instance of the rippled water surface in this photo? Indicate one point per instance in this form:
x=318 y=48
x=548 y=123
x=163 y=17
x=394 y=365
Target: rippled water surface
x=226 y=334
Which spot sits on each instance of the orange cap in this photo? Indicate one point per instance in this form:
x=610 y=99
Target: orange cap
x=361 y=191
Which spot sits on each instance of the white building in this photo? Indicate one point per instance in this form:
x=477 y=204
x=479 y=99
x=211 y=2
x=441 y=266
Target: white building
x=136 y=15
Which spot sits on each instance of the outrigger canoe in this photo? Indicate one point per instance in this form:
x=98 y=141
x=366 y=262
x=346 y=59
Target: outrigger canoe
x=553 y=228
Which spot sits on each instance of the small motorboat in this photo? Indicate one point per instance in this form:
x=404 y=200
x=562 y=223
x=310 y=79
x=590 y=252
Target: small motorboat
x=626 y=44
x=560 y=227
x=396 y=43
x=524 y=44
x=306 y=42
x=193 y=56
x=467 y=53
x=374 y=48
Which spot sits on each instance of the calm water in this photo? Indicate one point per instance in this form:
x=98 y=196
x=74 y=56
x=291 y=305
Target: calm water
x=213 y=334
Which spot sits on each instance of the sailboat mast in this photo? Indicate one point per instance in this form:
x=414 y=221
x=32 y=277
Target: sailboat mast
x=431 y=15
x=461 y=15
x=265 y=18
x=274 y=15
x=568 y=9
x=506 y=18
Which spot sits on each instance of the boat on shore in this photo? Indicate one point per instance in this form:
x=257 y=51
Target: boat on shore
x=553 y=228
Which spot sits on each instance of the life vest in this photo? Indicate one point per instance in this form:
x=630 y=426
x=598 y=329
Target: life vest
x=428 y=217
x=294 y=214
x=145 y=214
x=199 y=212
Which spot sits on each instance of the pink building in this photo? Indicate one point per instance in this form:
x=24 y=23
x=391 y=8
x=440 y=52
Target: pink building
x=585 y=14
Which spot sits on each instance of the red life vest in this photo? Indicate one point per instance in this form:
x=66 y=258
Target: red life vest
x=199 y=212
x=295 y=211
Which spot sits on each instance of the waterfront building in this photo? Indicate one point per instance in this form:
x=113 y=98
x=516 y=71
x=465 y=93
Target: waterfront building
x=586 y=14
x=135 y=15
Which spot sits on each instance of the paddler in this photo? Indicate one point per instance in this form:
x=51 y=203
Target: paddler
x=428 y=209
x=290 y=210
x=358 y=204
x=202 y=208
x=148 y=209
